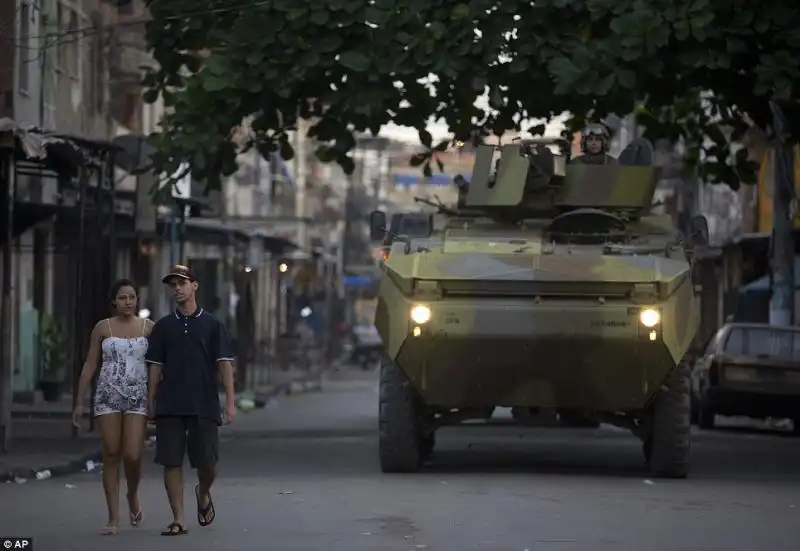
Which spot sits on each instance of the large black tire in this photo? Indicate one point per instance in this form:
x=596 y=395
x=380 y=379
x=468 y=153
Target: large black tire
x=669 y=444
x=400 y=445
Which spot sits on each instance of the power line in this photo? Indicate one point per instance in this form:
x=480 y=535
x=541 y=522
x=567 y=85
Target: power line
x=87 y=30
x=68 y=36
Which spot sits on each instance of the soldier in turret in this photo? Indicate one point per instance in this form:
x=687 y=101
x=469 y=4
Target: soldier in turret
x=595 y=142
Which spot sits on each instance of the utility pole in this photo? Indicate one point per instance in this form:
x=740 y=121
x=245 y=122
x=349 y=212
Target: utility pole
x=781 y=306
x=7 y=175
x=300 y=181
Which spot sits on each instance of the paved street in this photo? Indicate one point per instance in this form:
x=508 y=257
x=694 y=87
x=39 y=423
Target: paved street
x=302 y=474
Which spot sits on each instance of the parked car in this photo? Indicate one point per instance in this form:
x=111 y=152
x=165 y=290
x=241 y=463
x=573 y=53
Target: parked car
x=750 y=369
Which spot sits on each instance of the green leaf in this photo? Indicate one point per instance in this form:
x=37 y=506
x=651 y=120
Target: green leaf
x=626 y=78
x=215 y=84
x=518 y=65
x=320 y=17
x=150 y=96
x=329 y=43
x=254 y=58
x=347 y=164
x=425 y=138
x=537 y=130
x=325 y=154
x=418 y=159
x=478 y=83
x=461 y=11
x=564 y=69
x=442 y=146
x=355 y=61
x=286 y=150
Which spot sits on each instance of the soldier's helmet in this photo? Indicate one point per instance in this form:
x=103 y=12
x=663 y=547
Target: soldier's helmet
x=595 y=130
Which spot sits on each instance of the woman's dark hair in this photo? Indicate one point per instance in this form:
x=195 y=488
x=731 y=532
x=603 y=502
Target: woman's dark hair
x=119 y=284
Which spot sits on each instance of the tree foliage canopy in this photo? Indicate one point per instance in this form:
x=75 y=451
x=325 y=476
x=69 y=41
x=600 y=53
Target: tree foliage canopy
x=694 y=67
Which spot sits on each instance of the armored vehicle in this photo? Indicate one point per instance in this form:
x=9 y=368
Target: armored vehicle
x=550 y=287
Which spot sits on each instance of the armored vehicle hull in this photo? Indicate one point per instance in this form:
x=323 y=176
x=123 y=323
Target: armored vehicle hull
x=568 y=299
x=577 y=345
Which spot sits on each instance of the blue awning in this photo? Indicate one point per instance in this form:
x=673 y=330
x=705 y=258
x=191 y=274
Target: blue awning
x=358 y=280
x=761 y=285
x=437 y=179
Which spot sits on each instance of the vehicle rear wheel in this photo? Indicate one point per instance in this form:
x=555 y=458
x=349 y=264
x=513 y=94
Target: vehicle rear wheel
x=400 y=446
x=668 y=444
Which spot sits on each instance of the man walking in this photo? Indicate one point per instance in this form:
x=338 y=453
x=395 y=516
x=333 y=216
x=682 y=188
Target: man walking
x=188 y=349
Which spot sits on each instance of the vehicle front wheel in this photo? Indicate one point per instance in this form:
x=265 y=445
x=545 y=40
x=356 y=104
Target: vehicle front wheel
x=668 y=444
x=400 y=445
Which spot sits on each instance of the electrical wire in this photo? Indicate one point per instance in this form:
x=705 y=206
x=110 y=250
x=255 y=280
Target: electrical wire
x=86 y=30
x=64 y=37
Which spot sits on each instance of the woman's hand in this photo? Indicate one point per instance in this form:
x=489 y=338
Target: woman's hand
x=77 y=415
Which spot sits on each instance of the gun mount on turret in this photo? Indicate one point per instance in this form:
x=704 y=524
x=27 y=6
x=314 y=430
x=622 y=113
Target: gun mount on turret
x=527 y=179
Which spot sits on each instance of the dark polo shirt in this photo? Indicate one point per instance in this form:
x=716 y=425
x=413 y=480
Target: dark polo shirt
x=188 y=348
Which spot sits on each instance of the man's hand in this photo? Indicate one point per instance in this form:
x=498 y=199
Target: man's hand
x=230 y=413
x=151 y=413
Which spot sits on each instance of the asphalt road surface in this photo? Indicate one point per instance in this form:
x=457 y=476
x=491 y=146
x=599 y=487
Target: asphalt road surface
x=302 y=475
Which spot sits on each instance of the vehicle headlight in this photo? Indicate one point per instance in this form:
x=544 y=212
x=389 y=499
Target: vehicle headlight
x=649 y=317
x=420 y=314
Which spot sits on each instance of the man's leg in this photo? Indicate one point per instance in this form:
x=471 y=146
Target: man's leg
x=203 y=451
x=171 y=446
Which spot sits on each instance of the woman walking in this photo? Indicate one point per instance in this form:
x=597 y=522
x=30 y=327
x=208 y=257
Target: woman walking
x=120 y=405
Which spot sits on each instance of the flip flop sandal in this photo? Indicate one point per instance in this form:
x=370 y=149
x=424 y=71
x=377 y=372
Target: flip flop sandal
x=109 y=530
x=203 y=512
x=137 y=519
x=175 y=529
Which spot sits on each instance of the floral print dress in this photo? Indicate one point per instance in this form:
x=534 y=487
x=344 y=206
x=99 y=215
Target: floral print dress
x=122 y=383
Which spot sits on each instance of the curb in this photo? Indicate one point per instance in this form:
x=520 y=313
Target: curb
x=92 y=461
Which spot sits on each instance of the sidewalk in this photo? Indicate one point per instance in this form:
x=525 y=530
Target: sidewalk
x=42 y=445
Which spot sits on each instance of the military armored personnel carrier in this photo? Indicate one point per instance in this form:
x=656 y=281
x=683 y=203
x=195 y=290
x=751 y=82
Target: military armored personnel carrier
x=549 y=287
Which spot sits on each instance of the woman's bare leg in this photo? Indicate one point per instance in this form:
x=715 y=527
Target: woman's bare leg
x=110 y=425
x=134 y=429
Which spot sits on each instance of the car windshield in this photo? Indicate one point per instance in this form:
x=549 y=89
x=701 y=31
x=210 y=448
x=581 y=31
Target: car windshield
x=411 y=225
x=414 y=227
x=783 y=344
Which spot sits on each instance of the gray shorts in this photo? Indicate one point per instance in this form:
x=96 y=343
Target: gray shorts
x=194 y=436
